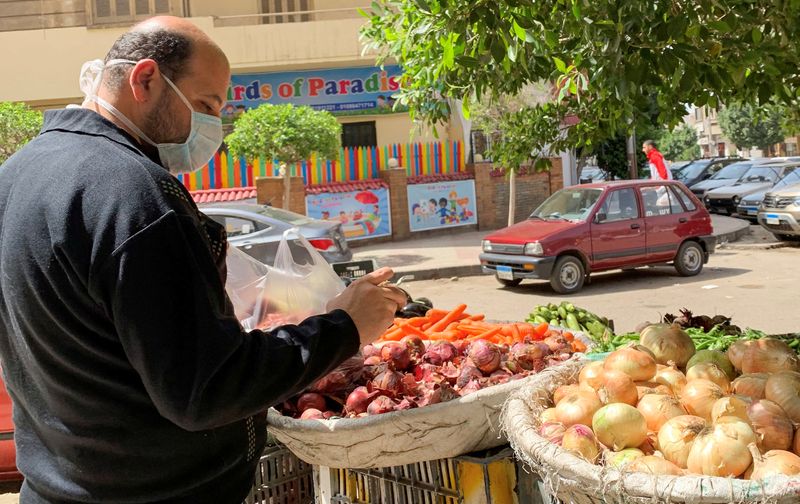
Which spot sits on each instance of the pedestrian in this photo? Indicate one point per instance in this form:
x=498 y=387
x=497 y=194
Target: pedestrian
x=658 y=170
x=131 y=379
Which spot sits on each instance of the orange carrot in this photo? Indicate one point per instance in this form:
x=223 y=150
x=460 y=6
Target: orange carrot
x=487 y=334
x=435 y=314
x=392 y=334
x=525 y=330
x=541 y=329
x=479 y=316
x=450 y=317
x=470 y=329
x=451 y=326
x=515 y=332
x=412 y=331
x=568 y=336
x=578 y=346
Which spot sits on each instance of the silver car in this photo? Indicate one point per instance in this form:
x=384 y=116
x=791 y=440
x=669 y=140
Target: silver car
x=725 y=177
x=257 y=230
x=748 y=207
x=724 y=200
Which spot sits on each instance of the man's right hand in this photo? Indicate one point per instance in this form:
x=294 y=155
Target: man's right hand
x=371 y=306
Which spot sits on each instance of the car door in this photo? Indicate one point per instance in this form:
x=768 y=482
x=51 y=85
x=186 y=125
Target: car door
x=665 y=222
x=617 y=230
x=247 y=235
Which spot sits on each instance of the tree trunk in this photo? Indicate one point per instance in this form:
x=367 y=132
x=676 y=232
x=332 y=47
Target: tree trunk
x=287 y=180
x=512 y=197
x=579 y=165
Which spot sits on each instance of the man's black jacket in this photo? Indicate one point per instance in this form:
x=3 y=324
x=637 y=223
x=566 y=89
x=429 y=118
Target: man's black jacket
x=131 y=379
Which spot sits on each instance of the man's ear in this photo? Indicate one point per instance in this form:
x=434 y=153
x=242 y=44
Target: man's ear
x=145 y=80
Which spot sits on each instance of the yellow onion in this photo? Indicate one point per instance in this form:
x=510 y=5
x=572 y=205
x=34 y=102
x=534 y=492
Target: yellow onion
x=548 y=415
x=699 y=396
x=651 y=464
x=650 y=387
x=552 y=431
x=622 y=458
x=773 y=428
x=590 y=374
x=751 y=385
x=637 y=364
x=563 y=391
x=721 y=450
x=729 y=406
x=580 y=439
x=772 y=463
x=676 y=437
x=711 y=372
x=715 y=356
x=767 y=355
x=619 y=426
x=669 y=343
x=783 y=388
x=617 y=387
x=658 y=408
x=796 y=443
x=672 y=377
x=650 y=444
x=578 y=408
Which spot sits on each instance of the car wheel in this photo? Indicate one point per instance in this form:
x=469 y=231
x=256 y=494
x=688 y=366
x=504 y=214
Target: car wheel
x=509 y=283
x=788 y=238
x=568 y=275
x=689 y=261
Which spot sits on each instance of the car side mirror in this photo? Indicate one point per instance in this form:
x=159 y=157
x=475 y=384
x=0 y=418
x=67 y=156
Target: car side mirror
x=600 y=218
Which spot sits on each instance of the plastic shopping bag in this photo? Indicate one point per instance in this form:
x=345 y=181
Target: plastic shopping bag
x=286 y=293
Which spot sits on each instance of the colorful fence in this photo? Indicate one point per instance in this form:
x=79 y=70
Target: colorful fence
x=361 y=163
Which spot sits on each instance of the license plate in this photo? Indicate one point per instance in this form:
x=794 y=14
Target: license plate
x=752 y=212
x=773 y=219
x=505 y=273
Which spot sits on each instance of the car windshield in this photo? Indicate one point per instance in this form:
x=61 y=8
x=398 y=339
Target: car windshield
x=568 y=204
x=284 y=215
x=761 y=174
x=692 y=170
x=791 y=177
x=733 y=171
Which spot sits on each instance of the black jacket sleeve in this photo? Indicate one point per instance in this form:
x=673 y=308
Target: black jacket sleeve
x=168 y=304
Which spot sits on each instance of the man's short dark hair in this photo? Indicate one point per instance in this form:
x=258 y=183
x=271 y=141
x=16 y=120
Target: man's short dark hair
x=650 y=143
x=169 y=49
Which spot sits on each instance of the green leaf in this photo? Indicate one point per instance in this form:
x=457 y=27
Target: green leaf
x=550 y=39
x=757 y=35
x=519 y=31
x=465 y=108
x=423 y=5
x=720 y=26
x=560 y=65
x=576 y=9
x=498 y=50
x=693 y=31
x=512 y=52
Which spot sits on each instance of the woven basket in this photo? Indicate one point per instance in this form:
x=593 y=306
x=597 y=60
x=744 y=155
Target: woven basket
x=573 y=480
x=438 y=431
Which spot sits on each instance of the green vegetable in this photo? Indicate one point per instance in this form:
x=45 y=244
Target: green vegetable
x=572 y=322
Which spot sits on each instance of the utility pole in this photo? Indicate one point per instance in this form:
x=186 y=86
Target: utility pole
x=634 y=169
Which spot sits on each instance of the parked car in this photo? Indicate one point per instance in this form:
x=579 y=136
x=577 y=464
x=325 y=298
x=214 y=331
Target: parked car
x=257 y=230
x=591 y=174
x=748 y=207
x=595 y=227
x=702 y=169
x=674 y=166
x=780 y=212
x=724 y=200
x=727 y=176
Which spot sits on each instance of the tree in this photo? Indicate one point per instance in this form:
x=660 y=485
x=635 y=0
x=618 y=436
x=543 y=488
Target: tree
x=749 y=126
x=18 y=125
x=608 y=59
x=286 y=134
x=680 y=144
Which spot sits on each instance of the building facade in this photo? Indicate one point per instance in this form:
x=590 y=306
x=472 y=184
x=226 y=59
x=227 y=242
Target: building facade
x=713 y=141
x=281 y=51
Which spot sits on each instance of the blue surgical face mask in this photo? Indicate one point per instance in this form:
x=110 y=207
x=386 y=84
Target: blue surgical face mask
x=205 y=135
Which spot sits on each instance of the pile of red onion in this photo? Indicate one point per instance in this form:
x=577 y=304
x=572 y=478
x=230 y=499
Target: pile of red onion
x=412 y=374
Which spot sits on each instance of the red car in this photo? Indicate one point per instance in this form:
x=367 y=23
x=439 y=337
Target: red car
x=8 y=453
x=596 y=227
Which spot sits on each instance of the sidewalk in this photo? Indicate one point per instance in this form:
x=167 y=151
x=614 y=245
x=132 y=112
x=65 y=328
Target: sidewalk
x=457 y=255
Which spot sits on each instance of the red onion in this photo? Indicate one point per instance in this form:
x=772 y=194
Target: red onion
x=468 y=373
x=359 y=399
x=342 y=378
x=372 y=360
x=485 y=355
x=529 y=356
x=396 y=355
x=381 y=404
x=557 y=344
x=450 y=371
x=414 y=345
x=439 y=353
x=461 y=346
x=327 y=415
x=311 y=400
x=406 y=404
x=423 y=371
x=472 y=386
x=409 y=385
x=370 y=351
x=388 y=382
x=312 y=414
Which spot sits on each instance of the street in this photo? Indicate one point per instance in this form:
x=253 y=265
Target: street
x=756 y=287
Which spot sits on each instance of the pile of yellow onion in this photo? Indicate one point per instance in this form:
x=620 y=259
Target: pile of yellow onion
x=662 y=408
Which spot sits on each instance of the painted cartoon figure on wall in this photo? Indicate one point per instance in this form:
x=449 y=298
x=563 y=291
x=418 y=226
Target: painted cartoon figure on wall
x=441 y=204
x=363 y=214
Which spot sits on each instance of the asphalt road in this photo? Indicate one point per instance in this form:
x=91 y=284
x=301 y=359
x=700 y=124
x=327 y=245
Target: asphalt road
x=758 y=288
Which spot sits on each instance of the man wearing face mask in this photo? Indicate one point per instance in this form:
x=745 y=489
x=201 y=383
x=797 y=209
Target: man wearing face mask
x=132 y=381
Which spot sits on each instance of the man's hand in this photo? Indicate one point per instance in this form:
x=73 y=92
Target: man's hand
x=370 y=305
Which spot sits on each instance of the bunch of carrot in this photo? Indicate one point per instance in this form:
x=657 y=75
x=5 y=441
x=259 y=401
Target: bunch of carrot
x=457 y=324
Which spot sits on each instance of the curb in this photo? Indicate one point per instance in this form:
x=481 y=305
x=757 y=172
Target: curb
x=732 y=236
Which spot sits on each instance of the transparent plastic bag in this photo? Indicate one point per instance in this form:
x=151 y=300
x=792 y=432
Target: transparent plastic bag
x=266 y=296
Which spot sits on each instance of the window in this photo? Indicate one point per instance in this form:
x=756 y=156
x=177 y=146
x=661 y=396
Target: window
x=359 y=134
x=129 y=11
x=235 y=226
x=619 y=205
x=688 y=204
x=657 y=201
x=285 y=7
